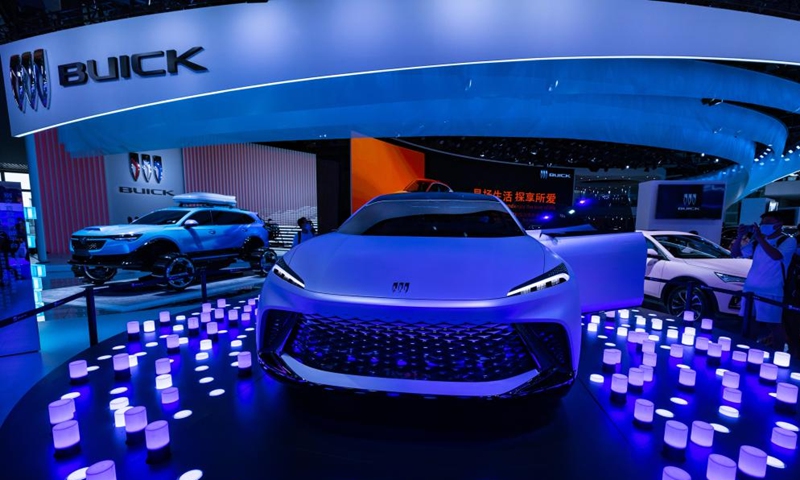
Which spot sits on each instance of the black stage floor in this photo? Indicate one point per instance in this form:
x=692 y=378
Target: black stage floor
x=259 y=428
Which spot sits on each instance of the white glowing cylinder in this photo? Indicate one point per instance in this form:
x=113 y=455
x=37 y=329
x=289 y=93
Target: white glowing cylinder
x=133 y=328
x=688 y=316
x=247 y=308
x=612 y=356
x=702 y=434
x=119 y=416
x=61 y=410
x=212 y=328
x=784 y=438
x=205 y=317
x=782 y=359
x=647 y=370
x=643 y=410
x=636 y=337
x=104 y=470
x=194 y=323
x=640 y=321
x=66 y=434
x=672 y=334
x=732 y=395
x=233 y=316
x=236 y=344
x=739 y=356
x=657 y=324
x=201 y=356
x=687 y=377
x=622 y=331
x=706 y=324
x=206 y=344
x=594 y=319
x=674 y=473
x=701 y=343
x=121 y=362
x=714 y=350
x=245 y=317
x=676 y=350
x=149 y=326
x=650 y=359
x=163 y=317
x=251 y=301
x=221 y=303
x=624 y=314
x=720 y=467
x=163 y=366
x=730 y=379
x=170 y=395
x=133 y=361
x=752 y=461
x=768 y=372
x=676 y=434
x=78 y=369
x=648 y=346
x=163 y=381
x=177 y=328
x=619 y=383
x=156 y=435
x=635 y=377
x=690 y=331
x=687 y=340
x=592 y=327
x=219 y=314
x=135 y=419
x=206 y=307
x=725 y=342
x=755 y=356
x=173 y=341
x=787 y=393
x=245 y=360
x=117 y=403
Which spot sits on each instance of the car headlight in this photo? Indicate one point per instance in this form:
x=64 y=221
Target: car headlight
x=729 y=278
x=548 y=279
x=282 y=271
x=127 y=237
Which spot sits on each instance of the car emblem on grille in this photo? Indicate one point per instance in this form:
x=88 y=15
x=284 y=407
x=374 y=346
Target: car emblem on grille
x=83 y=240
x=400 y=287
x=133 y=165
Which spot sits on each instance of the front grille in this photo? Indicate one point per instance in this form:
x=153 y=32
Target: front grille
x=414 y=351
x=87 y=243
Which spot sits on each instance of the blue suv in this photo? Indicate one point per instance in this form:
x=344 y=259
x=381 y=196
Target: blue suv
x=205 y=230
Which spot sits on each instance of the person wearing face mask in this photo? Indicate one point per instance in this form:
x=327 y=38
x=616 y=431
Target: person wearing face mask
x=306 y=231
x=791 y=295
x=771 y=251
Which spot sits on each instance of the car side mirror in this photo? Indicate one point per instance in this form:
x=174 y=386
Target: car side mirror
x=190 y=223
x=651 y=253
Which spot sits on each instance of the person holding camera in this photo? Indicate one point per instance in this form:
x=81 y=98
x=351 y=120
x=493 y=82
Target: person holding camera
x=771 y=251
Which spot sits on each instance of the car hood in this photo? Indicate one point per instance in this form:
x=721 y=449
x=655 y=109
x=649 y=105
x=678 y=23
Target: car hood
x=106 y=230
x=731 y=266
x=434 y=268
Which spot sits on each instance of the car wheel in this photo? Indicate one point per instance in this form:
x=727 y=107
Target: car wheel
x=263 y=259
x=676 y=302
x=99 y=275
x=177 y=271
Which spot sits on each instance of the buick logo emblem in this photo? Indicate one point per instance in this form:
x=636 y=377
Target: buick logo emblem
x=30 y=81
x=543 y=174
x=158 y=168
x=133 y=166
x=149 y=167
x=689 y=199
x=400 y=287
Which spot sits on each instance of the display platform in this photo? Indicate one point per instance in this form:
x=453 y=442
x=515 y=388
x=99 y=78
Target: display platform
x=229 y=426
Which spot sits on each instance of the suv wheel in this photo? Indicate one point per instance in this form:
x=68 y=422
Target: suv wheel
x=676 y=302
x=178 y=271
x=262 y=260
x=99 y=275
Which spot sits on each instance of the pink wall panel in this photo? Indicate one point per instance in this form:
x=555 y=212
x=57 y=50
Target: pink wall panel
x=277 y=183
x=73 y=191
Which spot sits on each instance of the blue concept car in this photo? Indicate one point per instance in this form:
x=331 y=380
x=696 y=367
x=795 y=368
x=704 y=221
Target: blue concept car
x=437 y=294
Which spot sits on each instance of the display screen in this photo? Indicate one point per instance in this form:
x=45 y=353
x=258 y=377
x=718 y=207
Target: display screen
x=691 y=200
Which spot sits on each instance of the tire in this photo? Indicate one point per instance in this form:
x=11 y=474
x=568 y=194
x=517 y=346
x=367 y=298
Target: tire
x=177 y=271
x=98 y=275
x=262 y=260
x=675 y=302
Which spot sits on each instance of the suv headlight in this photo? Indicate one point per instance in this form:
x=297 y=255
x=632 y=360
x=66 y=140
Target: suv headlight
x=127 y=237
x=548 y=279
x=282 y=271
x=729 y=278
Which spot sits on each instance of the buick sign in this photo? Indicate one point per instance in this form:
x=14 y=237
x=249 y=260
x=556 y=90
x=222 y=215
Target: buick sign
x=30 y=82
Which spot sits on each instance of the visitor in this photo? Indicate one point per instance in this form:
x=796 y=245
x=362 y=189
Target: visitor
x=791 y=295
x=306 y=231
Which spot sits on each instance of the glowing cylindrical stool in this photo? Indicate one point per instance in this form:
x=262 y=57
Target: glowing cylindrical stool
x=755 y=356
x=702 y=434
x=61 y=410
x=768 y=372
x=173 y=343
x=170 y=395
x=245 y=362
x=163 y=381
x=720 y=467
x=725 y=342
x=690 y=331
x=752 y=461
x=622 y=331
x=739 y=356
x=701 y=344
x=782 y=359
x=730 y=379
x=149 y=326
x=206 y=345
x=787 y=393
x=194 y=326
x=657 y=324
x=135 y=422
x=643 y=411
x=676 y=350
x=245 y=317
x=66 y=436
x=78 y=371
x=650 y=359
x=157 y=441
x=177 y=328
x=163 y=366
x=104 y=470
x=674 y=473
x=706 y=324
x=221 y=303
x=206 y=307
x=647 y=371
x=636 y=377
x=592 y=327
x=236 y=344
x=732 y=395
x=714 y=350
x=784 y=438
x=672 y=334
x=648 y=346
x=594 y=319
x=119 y=416
x=133 y=330
x=611 y=356
x=201 y=356
x=122 y=365
x=233 y=317
x=117 y=403
x=219 y=314
x=688 y=316
x=212 y=328
x=676 y=434
x=687 y=377
x=205 y=317
x=163 y=317
x=619 y=383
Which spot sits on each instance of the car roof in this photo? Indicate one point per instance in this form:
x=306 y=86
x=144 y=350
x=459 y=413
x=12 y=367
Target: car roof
x=666 y=232
x=434 y=196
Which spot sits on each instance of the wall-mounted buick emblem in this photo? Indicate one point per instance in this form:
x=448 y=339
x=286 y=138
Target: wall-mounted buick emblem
x=543 y=174
x=30 y=81
x=689 y=199
x=400 y=287
x=149 y=167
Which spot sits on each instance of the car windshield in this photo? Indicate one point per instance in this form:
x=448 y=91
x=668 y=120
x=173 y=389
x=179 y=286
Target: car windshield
x=417 y=186
x=433 y=218
x=162 y=217
x=691 y=246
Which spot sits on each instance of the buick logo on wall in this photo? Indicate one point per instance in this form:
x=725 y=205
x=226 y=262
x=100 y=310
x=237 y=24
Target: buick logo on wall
x=543 y=174
x=689 y=199
x=30 y=80
x=400 y=287
x=149 y=167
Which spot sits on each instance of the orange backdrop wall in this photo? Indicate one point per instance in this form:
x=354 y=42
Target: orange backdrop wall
x=378 y=168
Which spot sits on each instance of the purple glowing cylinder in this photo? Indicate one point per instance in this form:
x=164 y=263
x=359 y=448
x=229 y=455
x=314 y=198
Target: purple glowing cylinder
x=206 y=307
x=612 y=356
x=784 y=438
x=247 y=308
x=752 y=461
x=221 y=303
x=163 y=317
x=787 y=393
x=622 y=331
x=61 y=410
x=676 y=350
x=105 y=470
x=233 y=315
x=768 y=372
x=170 y=395
x=66 y=434
x=726 y=343
x=706 y=324
x=212 y=328
x=245 y=360
x=133 y=328
x=205 y=317
x=648 y=346
x=219 y=314
x=755 y=356
x=732 y=395
x=674 y=473
x=657 y=324
x=676 y=434
x=194 y=323
x=251 y=302
x=135 y=419
x=688 y=316
x=636 y=377
x=156 y=435
x=245 y=316
x=78 y=369
x=702 y=434
x=739 y=356
x=619 y=383
x=714 y=350
x=149 y=326
x=592 y=327
x=177 y=328
x=121 y=362
x=173 y=342
x=730 y=379
x=687 y=377
x=650 y=359
x=643 y=410
x=647 y=370
x=163 y=366
x=701 y=343
x=720 y=467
